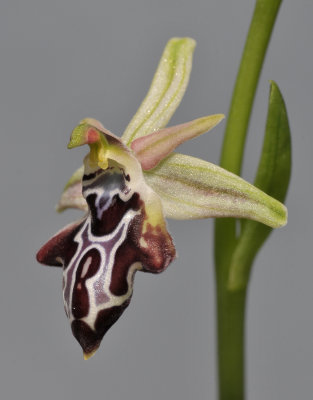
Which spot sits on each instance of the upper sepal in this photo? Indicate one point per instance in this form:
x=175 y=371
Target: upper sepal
x=166 y=91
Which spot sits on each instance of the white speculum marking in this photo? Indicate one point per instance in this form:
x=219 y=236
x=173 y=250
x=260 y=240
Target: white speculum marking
x=85 y=267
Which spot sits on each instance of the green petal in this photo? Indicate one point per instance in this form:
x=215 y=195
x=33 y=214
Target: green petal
x=191 y=188
x=166 y=92
x=153 y=148
x=273 y=177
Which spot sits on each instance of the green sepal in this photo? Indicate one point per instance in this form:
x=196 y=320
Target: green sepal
x=166 y=91
x=191 y=188
x=272 y=177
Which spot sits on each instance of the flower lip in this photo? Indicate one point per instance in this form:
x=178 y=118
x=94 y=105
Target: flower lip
x=123 y=231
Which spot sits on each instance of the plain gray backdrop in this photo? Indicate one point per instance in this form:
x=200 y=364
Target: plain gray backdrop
x=65 y=60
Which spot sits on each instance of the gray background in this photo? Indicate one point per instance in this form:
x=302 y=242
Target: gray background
x=64 y=60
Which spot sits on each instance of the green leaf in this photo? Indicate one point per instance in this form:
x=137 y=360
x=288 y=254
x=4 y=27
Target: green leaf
x=166 y=92
x=273 y=177
x=191 y=188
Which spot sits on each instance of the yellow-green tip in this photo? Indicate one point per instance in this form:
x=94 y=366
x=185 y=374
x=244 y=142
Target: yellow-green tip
x=89 y=355
x=83 y=134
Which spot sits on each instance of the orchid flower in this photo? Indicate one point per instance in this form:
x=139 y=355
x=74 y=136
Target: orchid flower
x=127 y=186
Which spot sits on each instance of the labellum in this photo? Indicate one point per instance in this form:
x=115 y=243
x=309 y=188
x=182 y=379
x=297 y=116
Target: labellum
x=123 y=231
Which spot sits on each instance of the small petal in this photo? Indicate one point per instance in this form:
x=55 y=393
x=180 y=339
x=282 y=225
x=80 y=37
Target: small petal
x=191 y=188
x=153 y=148
x=166 y=92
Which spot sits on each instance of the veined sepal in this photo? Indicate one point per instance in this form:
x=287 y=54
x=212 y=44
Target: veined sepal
x=166 y=91
x=191 y=188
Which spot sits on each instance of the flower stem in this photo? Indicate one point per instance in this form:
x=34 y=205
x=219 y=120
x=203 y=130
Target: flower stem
x=231 y=313
x=231 y=305
x=258 y=37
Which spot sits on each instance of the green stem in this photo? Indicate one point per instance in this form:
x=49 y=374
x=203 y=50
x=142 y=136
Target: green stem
x=259 y=34
x=231 y=305
x=231 y=313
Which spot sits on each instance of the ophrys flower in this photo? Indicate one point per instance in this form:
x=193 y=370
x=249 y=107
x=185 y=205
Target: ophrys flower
x=127 y=186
